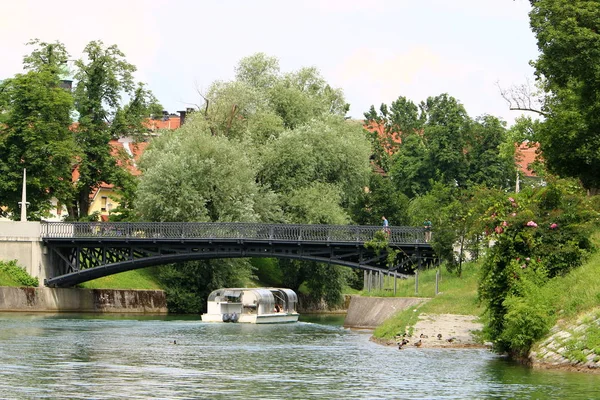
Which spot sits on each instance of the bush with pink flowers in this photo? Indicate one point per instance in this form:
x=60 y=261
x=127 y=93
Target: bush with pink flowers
x=544 y=233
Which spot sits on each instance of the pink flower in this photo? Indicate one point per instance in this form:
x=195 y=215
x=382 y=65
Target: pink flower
x=527 y=259
x=513 y=214
x=499 y=229
x=554 y=226
x=532 y=224
x=511 y=199
x=504 y=223
x=523 y=266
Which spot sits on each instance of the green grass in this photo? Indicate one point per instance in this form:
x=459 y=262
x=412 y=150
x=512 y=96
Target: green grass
x=579 y=291
x=456 y=296
x=136 y=279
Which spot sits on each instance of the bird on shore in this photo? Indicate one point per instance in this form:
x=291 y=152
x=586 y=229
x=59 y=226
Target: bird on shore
x=419 y=343
x=450 y=340
x=439 y=336
x=174 y=341
x=423 y=336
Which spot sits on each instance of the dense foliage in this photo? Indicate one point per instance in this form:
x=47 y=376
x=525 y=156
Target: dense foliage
x=52 y=131
x=568 y=70
x=17 y=274
x=537 y=235
x=266 y=147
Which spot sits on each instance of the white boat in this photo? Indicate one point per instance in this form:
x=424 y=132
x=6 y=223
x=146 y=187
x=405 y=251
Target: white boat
x=252 y=305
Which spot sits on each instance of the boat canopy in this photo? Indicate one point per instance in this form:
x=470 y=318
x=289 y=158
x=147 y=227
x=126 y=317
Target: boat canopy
x=265 y=298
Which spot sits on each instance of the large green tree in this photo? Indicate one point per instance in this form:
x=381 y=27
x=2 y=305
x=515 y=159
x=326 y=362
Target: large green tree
x=103 y=76
x=266 y=147
x=568 y=70
x=35 y=135
x=34 y=132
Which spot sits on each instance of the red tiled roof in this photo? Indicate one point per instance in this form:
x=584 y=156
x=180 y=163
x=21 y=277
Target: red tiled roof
x=525 y=154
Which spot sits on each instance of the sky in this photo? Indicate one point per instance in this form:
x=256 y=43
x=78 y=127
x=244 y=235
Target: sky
x=375 y=50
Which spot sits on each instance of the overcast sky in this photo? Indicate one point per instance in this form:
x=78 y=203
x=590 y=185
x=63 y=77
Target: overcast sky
x=375 y=50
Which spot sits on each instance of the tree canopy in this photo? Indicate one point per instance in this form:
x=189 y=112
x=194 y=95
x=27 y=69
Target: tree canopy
x=568 y=70
x=52 y=131
x=267 y=146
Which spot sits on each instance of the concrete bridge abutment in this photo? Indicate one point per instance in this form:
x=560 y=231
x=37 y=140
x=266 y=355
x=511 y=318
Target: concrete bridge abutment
x=22 y=241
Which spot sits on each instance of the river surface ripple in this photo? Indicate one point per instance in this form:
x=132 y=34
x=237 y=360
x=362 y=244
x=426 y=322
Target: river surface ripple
x=106 y=357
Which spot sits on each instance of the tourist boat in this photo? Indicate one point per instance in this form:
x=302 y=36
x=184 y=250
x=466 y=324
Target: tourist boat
x=252 y=305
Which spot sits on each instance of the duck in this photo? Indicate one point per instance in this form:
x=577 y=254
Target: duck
x=439 y=336
x=419 y=343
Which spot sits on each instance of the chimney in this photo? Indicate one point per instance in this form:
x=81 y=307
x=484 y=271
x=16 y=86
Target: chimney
x=182 y=117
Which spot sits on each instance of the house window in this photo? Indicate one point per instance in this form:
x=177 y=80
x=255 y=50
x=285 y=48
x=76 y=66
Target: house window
x=103 y=202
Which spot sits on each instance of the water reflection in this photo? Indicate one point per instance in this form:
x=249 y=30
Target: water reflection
x=102 y=356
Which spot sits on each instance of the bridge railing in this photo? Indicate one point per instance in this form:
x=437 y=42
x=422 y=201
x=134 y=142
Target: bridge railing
x=229 y=230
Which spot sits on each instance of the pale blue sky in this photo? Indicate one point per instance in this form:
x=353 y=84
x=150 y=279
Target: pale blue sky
x=374 y=50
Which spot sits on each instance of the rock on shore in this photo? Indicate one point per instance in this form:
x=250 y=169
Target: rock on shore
x=574 y=346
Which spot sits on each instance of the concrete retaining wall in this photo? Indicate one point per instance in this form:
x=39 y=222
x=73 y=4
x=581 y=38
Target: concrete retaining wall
x=21 y=241
x=370 y=312
x=44 y=299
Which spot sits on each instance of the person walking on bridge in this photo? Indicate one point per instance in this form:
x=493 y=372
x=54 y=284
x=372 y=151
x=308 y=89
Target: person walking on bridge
x=386 y=226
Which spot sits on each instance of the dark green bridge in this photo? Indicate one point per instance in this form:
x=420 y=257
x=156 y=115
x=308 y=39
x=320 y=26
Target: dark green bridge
x=82 y=251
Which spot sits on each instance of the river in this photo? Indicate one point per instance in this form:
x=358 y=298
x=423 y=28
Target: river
x=105 y=357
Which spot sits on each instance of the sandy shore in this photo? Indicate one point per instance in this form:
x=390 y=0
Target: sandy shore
x=456 y=332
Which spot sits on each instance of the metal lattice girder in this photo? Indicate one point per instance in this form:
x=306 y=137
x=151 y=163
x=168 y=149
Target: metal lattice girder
x=92 y=250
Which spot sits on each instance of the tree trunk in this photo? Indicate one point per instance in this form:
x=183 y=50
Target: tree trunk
x=593 y=191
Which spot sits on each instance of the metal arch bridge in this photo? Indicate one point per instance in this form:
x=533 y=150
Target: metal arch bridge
x=82 y=251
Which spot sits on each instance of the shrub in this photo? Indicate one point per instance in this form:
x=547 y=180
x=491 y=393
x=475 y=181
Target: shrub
x=18 y=274
x=539 y=234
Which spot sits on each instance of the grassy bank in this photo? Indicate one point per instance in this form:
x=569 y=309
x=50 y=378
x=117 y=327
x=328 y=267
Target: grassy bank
x=137 y=279
x=578 y=291
x=456 y=296
x=11 y=274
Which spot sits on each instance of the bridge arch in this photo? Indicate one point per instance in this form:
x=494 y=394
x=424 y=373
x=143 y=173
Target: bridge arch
x=86 y=251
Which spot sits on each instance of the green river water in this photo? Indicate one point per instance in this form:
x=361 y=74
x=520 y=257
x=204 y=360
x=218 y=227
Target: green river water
x=75 y=356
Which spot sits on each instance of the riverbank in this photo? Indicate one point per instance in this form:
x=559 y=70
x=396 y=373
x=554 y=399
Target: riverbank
x=43 y=299
x=440 y=331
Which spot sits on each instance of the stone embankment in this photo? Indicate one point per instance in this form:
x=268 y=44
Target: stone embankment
x=42 y=299
x=574 y=347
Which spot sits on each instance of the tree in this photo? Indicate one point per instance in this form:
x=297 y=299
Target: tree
x=488 y=165
x=381 y=199
x=102 y=78
x=391 y=126
x=35 y=135
x=568 y=70
x=190 y=175
x=34 y=132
